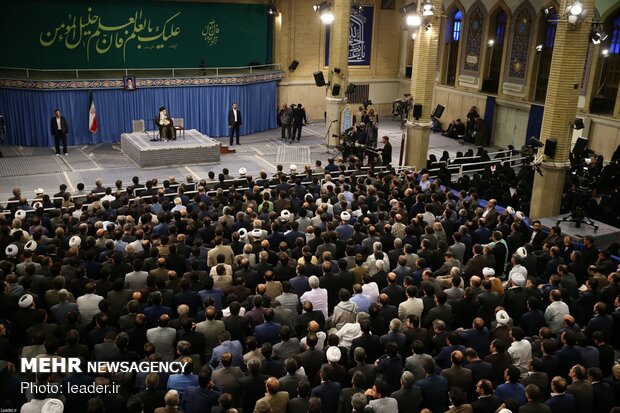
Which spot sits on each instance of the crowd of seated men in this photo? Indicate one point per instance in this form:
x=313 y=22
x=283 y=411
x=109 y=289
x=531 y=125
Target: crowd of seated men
x=333 y=290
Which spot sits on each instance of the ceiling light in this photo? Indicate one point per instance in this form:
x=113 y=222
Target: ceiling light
x=414 y=20
x=605 y=52
x=491 y=43
x=548 y=11
x=272 y=9
x=428 y=26
x=539 y=48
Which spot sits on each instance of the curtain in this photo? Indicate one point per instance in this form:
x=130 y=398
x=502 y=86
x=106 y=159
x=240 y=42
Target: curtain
x=489 y=112
x=534 y=123
x=28 y=113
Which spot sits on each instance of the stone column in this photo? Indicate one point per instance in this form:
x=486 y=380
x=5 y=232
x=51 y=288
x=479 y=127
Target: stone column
x=338 y=75
x=422 y=84
x=569 y=53
x=402 y=62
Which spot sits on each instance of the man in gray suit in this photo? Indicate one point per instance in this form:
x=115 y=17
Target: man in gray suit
x=163 y=338
x=210 y=329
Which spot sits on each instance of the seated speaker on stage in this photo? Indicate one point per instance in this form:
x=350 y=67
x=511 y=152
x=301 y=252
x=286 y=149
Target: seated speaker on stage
x=165 y=125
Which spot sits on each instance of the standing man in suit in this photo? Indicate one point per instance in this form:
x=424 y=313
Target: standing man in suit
x=234 y=122
x=60 y=130
x=386 y=151
x=299 y=120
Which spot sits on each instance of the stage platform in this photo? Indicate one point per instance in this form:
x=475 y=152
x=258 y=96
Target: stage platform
x=196 y=148
x=604 y=236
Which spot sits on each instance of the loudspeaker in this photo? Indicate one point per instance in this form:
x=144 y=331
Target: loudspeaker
x=578 y=124
x=293 y=65
x=335 y=89
x=319 y=79
x=580 y=146
x=417 y=110
x=438 y=111
x=551 y=145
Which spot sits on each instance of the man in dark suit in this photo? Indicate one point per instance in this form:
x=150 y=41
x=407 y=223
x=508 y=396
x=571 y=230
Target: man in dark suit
x=386 y=151
x=312 y=359
x=234 y=122
x=409 y=397
x=487 y=402
x=457 y=375
x=581 y=388
x=328 y=391
x=434 y=388
x=253 y=385
x=560 y=402
x=533 y=394
x=60 y=130
x=202 y=397
x=602 y=391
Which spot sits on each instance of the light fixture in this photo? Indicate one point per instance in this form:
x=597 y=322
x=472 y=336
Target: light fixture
x=408 y=8
x=272 y=9
x=539 y=48
x=576 y=8
x=320 y=6
x=575 y=12
x=414 y=20
x=491 y=43
x=605 y=53
x=597 y=35
x=327 y=17
x=414 y=35
x=548 y=11
x=427 y=8
x=428 y=26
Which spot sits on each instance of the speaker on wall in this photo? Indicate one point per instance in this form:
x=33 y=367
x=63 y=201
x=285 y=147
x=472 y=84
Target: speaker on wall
x=293 y=65
x=335 y=89
x=580 y=147
x=417 y=110
x=551 y=145
x=438 y=111
x=319 y=79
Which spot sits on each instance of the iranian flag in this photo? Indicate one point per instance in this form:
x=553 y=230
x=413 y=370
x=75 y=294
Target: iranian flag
x=92 y=114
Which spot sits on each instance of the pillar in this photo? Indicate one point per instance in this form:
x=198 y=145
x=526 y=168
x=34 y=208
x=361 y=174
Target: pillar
x=569 y=52
x=402 y=61
x=424 y=71
x=338 y=62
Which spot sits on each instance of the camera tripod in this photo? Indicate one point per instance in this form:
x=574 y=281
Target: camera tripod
x=579 y=215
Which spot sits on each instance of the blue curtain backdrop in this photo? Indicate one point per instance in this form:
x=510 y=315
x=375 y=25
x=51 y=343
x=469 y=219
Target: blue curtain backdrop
x=205 y=108
x=534 y=123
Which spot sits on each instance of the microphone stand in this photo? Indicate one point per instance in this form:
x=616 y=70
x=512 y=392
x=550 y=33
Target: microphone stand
x=329 y=128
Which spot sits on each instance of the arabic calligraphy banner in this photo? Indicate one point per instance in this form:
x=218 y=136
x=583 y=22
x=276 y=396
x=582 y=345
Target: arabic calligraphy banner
x=360 y=37
x=103 y=34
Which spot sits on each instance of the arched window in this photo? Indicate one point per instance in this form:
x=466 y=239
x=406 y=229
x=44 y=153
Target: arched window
x=604 y=96
x=453 y=34
x=545 y=51
x=500 y=32
x=456 y=26
x=497 y=33
x=614 y=46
